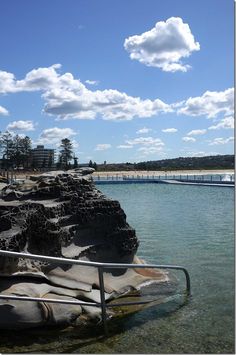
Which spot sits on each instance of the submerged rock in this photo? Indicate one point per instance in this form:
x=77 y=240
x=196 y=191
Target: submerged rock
x=62 y=215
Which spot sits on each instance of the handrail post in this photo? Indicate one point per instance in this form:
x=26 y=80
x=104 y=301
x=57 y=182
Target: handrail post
x=102 y=298
x=188 y=284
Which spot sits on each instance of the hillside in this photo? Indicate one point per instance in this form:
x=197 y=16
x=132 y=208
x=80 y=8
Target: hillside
x=187 y=163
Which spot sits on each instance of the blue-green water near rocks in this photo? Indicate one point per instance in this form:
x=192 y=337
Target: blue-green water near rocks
x=192 y=226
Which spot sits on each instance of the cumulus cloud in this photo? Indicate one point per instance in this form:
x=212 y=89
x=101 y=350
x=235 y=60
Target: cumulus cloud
x=103 y=146
x=210 y=104
x=36 y=79
x=221 y=141
x=225 y=123
x=109 y=104
x=169 y=130
x=66 y=97
x=189 y=139
x=146 y=145
x=145 y=141
x=7 y=82
x=144 y=130
x=196 y=132
x=3 y=111
x=164 y=45
x=54 y=135
x=21 y=126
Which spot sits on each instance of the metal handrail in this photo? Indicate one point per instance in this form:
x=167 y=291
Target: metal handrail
x=101 y=267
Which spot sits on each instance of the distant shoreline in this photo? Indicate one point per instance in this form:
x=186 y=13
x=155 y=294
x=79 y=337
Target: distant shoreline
x=21 y=175
x=24 y=175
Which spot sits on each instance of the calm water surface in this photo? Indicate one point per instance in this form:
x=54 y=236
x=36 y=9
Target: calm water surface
x=184 y=225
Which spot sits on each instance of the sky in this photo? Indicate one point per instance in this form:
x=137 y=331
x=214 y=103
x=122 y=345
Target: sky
x=125 y=81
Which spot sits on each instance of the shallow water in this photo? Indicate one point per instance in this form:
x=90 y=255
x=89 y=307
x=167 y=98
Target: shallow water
x=184 y=225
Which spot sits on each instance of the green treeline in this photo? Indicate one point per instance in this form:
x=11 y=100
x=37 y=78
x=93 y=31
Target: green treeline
x=187 y=163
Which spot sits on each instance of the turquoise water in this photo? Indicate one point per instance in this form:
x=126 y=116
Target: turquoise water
x=192 y=226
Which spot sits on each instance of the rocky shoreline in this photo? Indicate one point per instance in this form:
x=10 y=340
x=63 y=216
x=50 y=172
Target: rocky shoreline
x=63 y=215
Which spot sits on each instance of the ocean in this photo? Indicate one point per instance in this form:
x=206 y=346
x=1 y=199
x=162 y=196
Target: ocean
x=186 y=225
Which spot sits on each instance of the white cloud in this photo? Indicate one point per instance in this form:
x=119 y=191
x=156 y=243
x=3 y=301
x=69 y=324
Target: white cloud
x=124 y=146
x=150 y=150
x=109 y=104
x=3 y=111
x=144 y=130
x=92 y=82
x=146 y=141
x=196 y=132
x=199 y=154
x=164 y=45
x=192 y=153
x=225 y=123
x=21 y=126
x=210 y=104
x=220 y=141
x=54 y=135
x=7 y=82
x=147 y=145
x=104 y=146
x=36 y=79
x=202 y=154
x=67 y=97
x=169 y=130
x=189 y=139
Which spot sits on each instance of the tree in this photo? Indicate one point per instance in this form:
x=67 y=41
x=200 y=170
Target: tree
x=66 y=152
x=50 y=160
x=59 y=162
x=6 y=144
x=92 y=164
x=16 y=153
x=16 y=149
x=26 y=150
x=6 y=147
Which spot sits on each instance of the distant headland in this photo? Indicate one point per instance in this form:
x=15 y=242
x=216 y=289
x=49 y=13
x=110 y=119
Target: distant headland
x=214 y=162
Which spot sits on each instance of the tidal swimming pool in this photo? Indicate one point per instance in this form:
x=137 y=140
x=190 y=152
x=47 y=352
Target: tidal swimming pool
x=192 y=226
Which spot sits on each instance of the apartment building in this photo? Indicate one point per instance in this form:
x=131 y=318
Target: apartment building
x=42 y=157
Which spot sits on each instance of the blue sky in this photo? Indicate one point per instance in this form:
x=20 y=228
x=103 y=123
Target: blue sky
x=125 y=80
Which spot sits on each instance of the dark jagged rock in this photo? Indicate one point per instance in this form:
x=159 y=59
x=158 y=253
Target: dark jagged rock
x=62 y=215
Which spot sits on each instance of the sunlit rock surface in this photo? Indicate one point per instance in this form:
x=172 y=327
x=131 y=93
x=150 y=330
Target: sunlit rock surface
x=62 y=215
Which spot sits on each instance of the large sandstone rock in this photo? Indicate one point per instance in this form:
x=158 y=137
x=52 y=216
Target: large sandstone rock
x=62 y=215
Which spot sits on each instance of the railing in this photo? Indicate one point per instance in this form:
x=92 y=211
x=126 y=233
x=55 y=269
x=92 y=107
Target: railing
x=221 y=179
x=101 y=267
